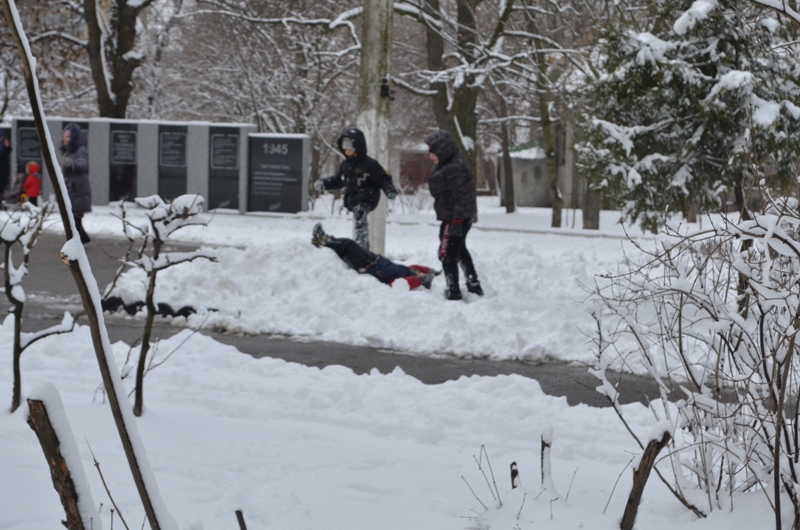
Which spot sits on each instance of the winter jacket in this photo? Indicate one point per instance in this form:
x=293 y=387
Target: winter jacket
x=451 y=182
x=32 y=187
x=362 y=177
x=75 y=167
x=5 y=163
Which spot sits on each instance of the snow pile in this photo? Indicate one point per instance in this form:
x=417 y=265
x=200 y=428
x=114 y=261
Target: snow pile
x=280 y=283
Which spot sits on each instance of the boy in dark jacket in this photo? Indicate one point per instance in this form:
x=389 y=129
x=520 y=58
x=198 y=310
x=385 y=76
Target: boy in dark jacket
x=452 y=186
x=362 y=178
x=365 y=262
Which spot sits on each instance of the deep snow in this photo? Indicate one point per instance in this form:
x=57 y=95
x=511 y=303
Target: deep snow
x=302 y=448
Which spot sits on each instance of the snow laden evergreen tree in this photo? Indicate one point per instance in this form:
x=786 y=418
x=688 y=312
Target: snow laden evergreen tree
x=687 y=103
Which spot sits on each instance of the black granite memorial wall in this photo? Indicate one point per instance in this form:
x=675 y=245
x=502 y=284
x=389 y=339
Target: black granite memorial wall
x=275 y=177
x=223 y=167
x=27 y=148
x=171 y=161
x=122 y=161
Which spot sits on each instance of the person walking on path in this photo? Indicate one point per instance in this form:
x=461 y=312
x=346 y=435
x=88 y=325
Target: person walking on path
x=362 y=178
x=75 y=168
x=365 y=262
x=452 y=186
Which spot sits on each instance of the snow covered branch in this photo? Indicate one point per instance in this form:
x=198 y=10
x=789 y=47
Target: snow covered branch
x=60 y=35
x=781 y=7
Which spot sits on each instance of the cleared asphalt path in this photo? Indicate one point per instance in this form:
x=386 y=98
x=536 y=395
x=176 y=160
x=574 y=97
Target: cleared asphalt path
x=51 y=290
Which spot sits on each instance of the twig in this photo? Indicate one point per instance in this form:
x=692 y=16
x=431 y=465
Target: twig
x=617 y=482
x=551 y=507
x=154 y=365
x=523 y=504
x=103 y=480
x=484 y=476
x=473 y=491
x=570 y=484
x=483 y=448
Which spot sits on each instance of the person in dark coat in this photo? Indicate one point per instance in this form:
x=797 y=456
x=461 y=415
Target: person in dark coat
x=363 y=261
x=362 y=178
x=75 y=168
x=5 y=161
x=452 y=186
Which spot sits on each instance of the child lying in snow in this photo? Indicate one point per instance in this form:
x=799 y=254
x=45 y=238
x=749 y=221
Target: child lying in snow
x=365 y=262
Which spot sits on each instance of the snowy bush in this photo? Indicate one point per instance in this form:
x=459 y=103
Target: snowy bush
x=20 y=227
x=164 y=218
x=713 y=316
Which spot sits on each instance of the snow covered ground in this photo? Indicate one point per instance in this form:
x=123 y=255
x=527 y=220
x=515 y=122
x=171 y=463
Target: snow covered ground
x=303 y=448
x=277 y=282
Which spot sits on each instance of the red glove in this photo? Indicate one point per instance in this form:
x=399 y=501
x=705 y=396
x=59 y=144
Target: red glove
x=457 y=228
x=445 y=241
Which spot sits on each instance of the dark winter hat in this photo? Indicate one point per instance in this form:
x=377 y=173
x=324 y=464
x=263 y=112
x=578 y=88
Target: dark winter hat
x=442 y=144
x=77 y=137
x=359 y=143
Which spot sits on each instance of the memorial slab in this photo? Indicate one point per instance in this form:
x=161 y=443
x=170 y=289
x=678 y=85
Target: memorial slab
x=278 y=179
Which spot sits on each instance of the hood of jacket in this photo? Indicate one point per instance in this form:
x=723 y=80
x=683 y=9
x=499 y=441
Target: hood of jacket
x=359 y=142
x=442 y=144
x=35 y=168
x=77 y=138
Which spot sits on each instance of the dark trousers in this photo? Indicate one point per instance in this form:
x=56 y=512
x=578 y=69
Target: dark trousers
x=366 y=262
x=361 y=230
x=79 y=227
x=457 y=254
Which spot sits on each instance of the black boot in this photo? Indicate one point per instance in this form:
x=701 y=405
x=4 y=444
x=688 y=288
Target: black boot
x=452 y=292
x=318 y=236
x=474 y=286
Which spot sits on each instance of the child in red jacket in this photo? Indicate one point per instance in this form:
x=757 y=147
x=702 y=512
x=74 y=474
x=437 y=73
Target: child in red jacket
x=33 y=184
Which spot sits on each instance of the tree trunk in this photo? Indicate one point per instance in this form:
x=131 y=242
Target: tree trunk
x=548 y=140
x=16 y=309
x=591 y=209
x=373 y=114
x=456 y=112
x=59 y=472
x=640 y=476
x=17 y=392
x=112 y=57
x=691 y=211
x=743 y=283
x=509 y=201
x=148 y=331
